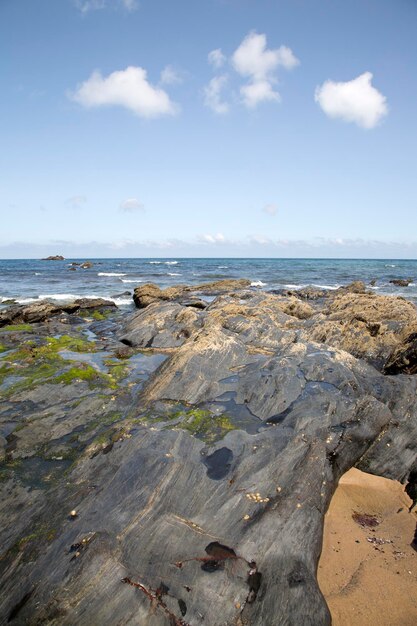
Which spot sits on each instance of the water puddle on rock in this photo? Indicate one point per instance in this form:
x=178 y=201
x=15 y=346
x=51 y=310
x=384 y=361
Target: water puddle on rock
x=239 y=414
x=95 y=359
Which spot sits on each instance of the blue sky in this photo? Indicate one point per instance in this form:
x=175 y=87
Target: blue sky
x=208 y=128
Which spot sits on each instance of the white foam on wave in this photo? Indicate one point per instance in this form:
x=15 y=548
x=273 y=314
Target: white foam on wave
x=174 y=274
x=389 y=265
x=330 y=287
x=258 y=283
x=222 y=267
x=121 y=301
x=130 y=280
x=171 y=262
x=110 y=274
x=163 y=262
x=291 y=286
x=70 y=297
x=38 y=274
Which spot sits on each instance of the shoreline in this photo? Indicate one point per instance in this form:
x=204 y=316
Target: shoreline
x=174 y=443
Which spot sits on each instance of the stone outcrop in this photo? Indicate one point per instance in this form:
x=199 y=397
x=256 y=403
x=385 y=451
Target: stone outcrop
x=198 y=482
x=42 y=310
x=55 y=257
x=148 y=293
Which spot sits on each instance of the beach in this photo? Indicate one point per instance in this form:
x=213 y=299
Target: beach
x=368 y=575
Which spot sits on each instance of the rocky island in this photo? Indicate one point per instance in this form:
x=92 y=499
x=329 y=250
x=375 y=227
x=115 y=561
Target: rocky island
x=173 y=466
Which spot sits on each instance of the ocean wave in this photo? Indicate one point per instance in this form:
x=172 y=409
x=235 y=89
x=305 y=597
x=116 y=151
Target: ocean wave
x=258 y=283
x=222 y=267
x=174 y=274
x=38 y=274
x=330 y=287
x=163 y=262
x=70 y=297
x=110 y=274
x=389 y=265
x=129 y=280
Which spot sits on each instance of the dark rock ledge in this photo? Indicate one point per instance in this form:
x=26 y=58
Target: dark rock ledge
x=193 y=485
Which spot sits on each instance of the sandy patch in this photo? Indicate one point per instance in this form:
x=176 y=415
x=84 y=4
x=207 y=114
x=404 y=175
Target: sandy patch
x=368 y=574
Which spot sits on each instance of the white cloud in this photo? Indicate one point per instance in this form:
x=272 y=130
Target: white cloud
x=271 y=209
x=216 y=58
x=212 y=95
x=353 y=101
x=255 y=61
x=171 y=76
x=127 y=88
x=130 y=5
x=218 y=238
x=85 y=6
x=131 y=205
x=257 y=92
x=75 y=202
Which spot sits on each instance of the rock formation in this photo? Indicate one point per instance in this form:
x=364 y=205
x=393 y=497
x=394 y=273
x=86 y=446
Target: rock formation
x=186 y=484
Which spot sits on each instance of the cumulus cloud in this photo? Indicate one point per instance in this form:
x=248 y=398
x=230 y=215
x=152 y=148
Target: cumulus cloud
x=127 y=88
x=207 y=238
x=270 y=209
x=216 y=58
x=355 y=101
x=131 y=205
x=171 y=76
x=213 y=97
x=257 y=92
x=253 y=60
x=85 y=6
x=75 y=202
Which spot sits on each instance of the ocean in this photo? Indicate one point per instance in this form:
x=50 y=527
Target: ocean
x=31 y=280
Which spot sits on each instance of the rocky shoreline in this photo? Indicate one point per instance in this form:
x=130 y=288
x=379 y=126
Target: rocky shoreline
x=174 y=465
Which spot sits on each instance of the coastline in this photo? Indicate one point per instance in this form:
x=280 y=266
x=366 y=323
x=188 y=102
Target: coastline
x=174 y=442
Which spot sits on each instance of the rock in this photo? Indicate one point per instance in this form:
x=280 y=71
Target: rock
x=40 y=311
x=86 y=265
x=403 y=359
x=365 y=325
x=56 y=257
x=202 y=499
x=90 y=303
x=165 y=325
x=72 y=269
x=148 y=293
x=401 y=282
x=358 y=286
x=120 y=295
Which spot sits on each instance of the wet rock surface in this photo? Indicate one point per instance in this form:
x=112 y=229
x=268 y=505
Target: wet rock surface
x=173 y=465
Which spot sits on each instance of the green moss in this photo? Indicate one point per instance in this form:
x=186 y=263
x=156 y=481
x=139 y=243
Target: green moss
x=205 y=425
x=2 y=348
x=197 y=422
x=65 y=342
x=16 y=327
x=83 y=372
x=98 y=316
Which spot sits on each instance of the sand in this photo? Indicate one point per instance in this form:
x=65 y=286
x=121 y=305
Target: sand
x=368 y=583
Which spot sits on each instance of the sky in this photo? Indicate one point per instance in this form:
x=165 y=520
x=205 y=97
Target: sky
x=209 y=128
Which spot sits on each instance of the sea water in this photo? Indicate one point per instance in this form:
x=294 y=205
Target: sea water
x=28 y=280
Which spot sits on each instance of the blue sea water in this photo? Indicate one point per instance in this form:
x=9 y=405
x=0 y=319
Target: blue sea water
x=30 y=280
